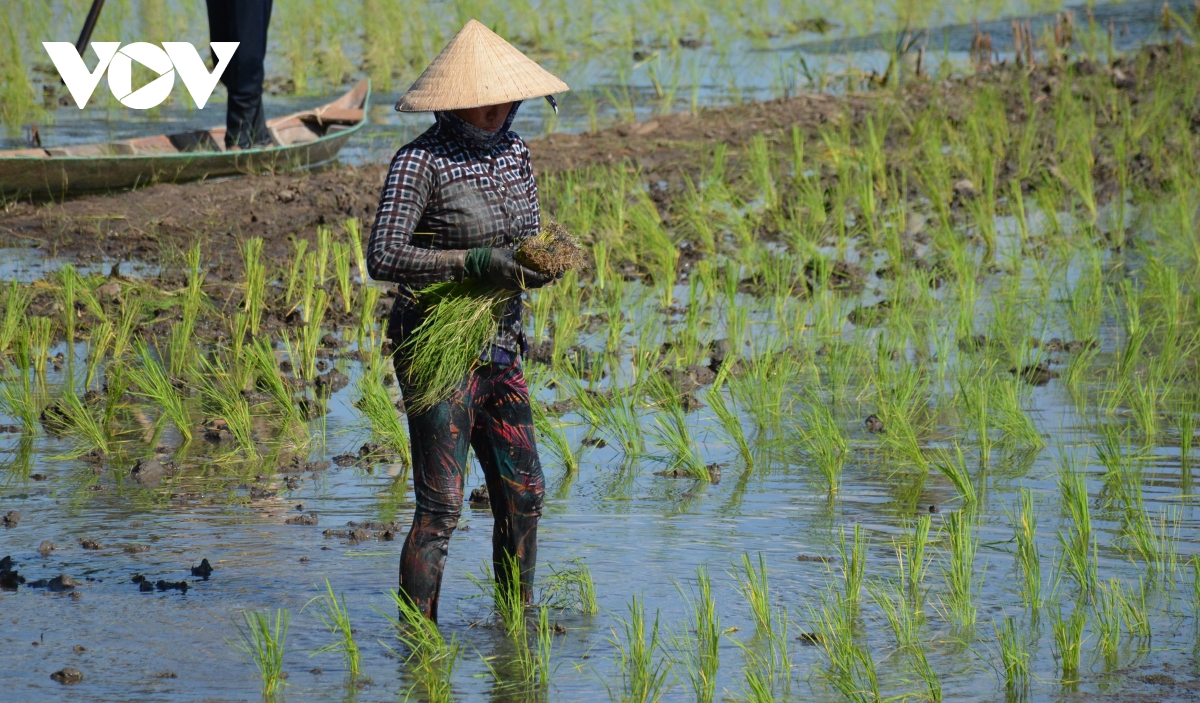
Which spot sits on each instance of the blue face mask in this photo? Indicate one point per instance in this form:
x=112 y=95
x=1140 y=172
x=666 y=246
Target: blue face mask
x=471 y=135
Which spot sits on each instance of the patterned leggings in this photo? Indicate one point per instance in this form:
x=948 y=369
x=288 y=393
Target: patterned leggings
x=490 y=410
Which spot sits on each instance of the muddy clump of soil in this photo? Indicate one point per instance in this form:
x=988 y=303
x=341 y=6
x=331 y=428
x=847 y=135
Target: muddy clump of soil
x=67 y=675
x=553 y=251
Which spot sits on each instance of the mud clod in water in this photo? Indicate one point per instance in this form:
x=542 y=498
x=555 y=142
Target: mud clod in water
x=150 y=472
x=59 y=583
x=874 y=424
x=54 y=419
x=204 y=570
x=332 y=382
x=45 y=548
x=217 y=431
x=1076 y=346
x=690 y=379
x=95 y=457
x=310 y=409
x=1035 y=374
x=375 y=453
x=718 y=351
x=67 y=675
x=714 y=473
x=11 y=518
x=298 y=465
x=541 y=352
x=309 y=519
x=164 y=585
x=479 y=498
x=89 y=543
x=9 y=578
x=257 y=493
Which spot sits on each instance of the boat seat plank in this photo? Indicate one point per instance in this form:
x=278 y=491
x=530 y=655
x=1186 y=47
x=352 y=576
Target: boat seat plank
x=296 y=132
x=158 y=144
x=24 y=152
x=333 y=115
x=200 y=140
x=82 y=150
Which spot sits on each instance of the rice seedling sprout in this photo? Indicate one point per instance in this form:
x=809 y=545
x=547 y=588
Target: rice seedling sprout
x=262 y=639
x=335 y=617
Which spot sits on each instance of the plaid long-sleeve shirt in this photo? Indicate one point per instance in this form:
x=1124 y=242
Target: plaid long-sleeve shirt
x=443 y=193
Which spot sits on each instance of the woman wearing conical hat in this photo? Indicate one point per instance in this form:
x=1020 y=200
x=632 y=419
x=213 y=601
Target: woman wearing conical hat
x=456 y=201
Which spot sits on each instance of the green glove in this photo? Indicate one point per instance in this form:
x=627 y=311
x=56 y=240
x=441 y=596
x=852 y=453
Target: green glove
x=476 y=263
x=497 y=267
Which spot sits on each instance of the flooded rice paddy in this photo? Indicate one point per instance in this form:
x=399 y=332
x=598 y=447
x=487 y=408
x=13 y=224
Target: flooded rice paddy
x=897 y=406
x=623 y=61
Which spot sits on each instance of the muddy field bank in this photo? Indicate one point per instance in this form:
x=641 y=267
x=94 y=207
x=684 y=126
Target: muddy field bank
x=161 y=221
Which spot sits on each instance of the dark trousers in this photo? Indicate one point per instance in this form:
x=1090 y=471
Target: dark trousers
x=489 y=412
x=243 y=21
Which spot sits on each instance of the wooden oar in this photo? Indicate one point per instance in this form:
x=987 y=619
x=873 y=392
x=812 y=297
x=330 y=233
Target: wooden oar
x=88 y=26
x=85 y=35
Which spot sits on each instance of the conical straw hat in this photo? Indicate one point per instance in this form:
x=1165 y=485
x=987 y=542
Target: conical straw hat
x=478 y=68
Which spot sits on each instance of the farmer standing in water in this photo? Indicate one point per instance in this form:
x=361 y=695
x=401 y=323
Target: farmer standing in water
x=456 y=202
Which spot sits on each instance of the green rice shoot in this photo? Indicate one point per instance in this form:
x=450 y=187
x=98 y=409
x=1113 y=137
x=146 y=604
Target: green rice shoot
x=461 y=318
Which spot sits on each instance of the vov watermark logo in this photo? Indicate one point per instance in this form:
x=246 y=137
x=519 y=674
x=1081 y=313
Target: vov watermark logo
x=166 y=61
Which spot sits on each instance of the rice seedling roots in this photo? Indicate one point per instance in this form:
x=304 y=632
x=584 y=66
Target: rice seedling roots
x=553 y=250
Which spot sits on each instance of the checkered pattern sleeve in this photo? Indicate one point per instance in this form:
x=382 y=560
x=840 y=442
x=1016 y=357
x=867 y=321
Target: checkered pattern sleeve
x=411 y=181
x=532 y=188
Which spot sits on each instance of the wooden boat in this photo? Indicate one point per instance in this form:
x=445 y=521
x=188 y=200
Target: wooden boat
x=300 y=139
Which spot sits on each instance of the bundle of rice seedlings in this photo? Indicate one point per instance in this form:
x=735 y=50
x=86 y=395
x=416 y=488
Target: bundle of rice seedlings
x=552 y=251
x=462 y=318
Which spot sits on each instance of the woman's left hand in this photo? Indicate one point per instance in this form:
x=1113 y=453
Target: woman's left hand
x=498 y=267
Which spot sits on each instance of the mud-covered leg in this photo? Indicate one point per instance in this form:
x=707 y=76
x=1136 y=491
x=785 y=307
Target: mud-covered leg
x=504 y=443
x=440 y=439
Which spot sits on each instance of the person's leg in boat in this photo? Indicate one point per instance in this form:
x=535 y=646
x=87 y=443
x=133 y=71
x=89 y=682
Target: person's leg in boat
x=245 y=22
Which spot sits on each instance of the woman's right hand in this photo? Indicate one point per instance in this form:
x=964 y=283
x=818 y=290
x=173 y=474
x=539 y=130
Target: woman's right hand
x=498 y=267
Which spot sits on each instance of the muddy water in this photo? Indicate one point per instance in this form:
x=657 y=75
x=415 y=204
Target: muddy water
x=640 y=534
x=644 y=86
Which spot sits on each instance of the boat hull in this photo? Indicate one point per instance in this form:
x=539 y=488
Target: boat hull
x=32 y=174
